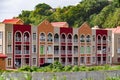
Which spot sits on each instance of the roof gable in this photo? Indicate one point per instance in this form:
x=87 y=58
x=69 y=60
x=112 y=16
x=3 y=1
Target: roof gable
x=60 y=24
x=13 y=21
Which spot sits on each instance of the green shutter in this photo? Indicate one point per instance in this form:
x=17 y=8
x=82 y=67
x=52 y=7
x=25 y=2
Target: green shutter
x=81 y=50
x=41 y=49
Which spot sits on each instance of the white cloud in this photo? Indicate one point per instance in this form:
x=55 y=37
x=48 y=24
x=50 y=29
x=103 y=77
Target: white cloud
x=11 y=8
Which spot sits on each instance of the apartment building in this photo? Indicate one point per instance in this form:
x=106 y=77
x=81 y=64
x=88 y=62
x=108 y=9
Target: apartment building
x=48 y=42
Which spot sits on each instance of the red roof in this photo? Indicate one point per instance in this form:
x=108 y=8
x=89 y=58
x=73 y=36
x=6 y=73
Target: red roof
x=59 y=24
x=114 y=30
x=2 y=55
x=11 y=21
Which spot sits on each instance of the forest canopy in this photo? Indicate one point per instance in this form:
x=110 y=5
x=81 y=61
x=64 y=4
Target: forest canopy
x=104 y=13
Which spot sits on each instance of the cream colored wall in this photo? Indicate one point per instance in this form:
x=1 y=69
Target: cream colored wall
x=34 y=42
x=2 y=41
x=8 y=28
x=115 y=44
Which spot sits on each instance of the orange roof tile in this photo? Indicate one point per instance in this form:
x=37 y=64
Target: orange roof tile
x=59 y=24
x=2 y=55
x=11 y=21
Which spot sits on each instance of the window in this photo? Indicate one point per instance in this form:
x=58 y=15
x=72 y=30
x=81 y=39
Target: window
x=56 y=38
x=34 y=61
x=82 y=60
x=93 y=59
x=9 y=35
x=88 y=39
x=0 y=48
x=49 y=49
x=18 y=37
x=34 y=48
x=34 y=36
x=0 y=35
x=82 y=38
x=99 y=47
x=75 y=38
x=49 y=37
x=82 y=50
x=88 y=49
x=118 y=50
x=42 y=37
x=9 y=61
x=93 y=37
x=109 y=38
x=9 y=49
x=42 y=49
x=75 y=49
x=26 y=49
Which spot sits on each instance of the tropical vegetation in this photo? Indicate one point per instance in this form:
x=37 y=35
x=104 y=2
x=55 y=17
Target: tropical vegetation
x=104 y=13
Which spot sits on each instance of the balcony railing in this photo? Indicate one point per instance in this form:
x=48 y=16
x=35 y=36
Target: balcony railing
x=18 y=51
x=69 y=40
x=56 y=51
x=26 y=39
x=18 y=39
x=26 y=51
x=56 y=40
x=62 y=40
x=63 y=51
x=75 y=52
x=42 y=39
x=104 y=42
x=75 y=40
x=69 y=51
x=99 y=42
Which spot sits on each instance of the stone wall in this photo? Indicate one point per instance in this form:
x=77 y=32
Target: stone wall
x=92 y=75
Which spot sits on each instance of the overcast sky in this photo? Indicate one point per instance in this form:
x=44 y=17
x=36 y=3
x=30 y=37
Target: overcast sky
x=11 y=8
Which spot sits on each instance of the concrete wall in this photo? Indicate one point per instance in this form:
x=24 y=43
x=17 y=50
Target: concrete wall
x=92 y=75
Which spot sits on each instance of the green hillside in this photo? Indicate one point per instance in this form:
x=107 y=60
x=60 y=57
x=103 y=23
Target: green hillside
x=104 y=13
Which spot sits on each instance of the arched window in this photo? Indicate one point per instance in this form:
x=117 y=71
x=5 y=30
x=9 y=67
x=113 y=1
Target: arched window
x=88 y=39
x=63 y=38
x=56 y=38
x=99 y=39
x=42 y=37
x=18 y=37
x=104 y=39
x=75 y=38
x=82 y=38
x=69 y=38
x=49 y=37
x=26 y=37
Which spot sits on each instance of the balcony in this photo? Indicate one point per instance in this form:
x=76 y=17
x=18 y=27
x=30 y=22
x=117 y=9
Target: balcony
x=42 y=39
x=69 y=40
x=56 y=40
x=69 y=51
x=18 y=39
x=18 y=51
x=104 y=42
x=56 y=51
x=62 y=40
x=26 y=39
x=26 y=51
x=99 y=42
x=62 y=51
x=75 y=40
x=75 y=52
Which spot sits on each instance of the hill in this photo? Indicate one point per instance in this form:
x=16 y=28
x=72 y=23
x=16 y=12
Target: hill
x=104 y=13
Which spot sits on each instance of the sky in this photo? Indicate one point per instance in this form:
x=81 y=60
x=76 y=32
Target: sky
x=12 y=8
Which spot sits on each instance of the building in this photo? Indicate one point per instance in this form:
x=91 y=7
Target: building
x=56 y=41
x=2 y=62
